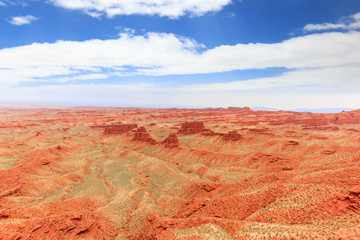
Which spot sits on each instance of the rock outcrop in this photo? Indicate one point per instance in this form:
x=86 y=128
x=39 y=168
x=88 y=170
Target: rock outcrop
x=192 y=127
x=311 y=121
x=349 y=200
x=352 y=117
x=119 y=129
x=142 y=135
x=232 y=136
x=171 y=141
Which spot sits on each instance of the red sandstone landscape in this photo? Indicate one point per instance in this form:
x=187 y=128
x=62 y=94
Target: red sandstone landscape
x=134 y=173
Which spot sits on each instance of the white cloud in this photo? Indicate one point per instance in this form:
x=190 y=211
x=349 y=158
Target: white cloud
x=82 y=77
x=2 y=4
x=333 y=78
x=22 y=20
x=326 y=64
x=115 y=56
x=348 y=23
x=312 y=51
x=324 y=26
x=167 y=54
x=163 y=8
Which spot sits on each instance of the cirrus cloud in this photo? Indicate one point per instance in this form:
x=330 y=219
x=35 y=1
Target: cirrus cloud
x=347 y=23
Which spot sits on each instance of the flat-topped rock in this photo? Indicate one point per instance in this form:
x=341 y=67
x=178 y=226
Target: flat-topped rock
x=119 y=129
x=192 y=127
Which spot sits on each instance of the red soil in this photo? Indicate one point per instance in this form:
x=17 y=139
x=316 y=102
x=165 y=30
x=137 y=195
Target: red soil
x=227 y=174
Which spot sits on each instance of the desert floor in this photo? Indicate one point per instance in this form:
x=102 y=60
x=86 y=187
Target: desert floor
x=133 y=173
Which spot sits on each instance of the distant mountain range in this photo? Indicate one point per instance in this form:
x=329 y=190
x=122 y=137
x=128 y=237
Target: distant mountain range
x=316 y=110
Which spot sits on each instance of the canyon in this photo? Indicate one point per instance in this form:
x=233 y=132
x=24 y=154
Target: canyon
x=212 y=173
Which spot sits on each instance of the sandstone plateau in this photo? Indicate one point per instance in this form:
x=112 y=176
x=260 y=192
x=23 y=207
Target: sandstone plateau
x=133 y=173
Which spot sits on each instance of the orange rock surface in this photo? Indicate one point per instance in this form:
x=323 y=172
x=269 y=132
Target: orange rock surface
x=118 y=129
x=234 y=173
x=171 y=141
x=232 y=135
x=192 y=127
x=142 y=135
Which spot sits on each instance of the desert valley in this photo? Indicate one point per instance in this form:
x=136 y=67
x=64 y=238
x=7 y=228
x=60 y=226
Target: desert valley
x=216 y=173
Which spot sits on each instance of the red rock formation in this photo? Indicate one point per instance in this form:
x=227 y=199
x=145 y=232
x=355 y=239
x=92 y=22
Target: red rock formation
x=285 y=180
x=352 y=117
x=196 y=127
x=119 y=129
x=290 y=143
x=321 y=128
x=271 y=162
x=171 y=141
x=142 y=135
x=311 y=121
x=262 y=131
x=192 y=127
x=209 y=132
x=232 y=136
x=348 y=201
x=328 y=151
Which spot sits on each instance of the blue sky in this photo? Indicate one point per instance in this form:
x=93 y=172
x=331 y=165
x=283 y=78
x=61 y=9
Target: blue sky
x=162 y=53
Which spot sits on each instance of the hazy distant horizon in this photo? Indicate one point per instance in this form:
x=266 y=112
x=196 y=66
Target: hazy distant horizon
x=71 y=106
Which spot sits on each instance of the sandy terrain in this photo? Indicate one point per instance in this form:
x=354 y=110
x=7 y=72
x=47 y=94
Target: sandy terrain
x=178 y=174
